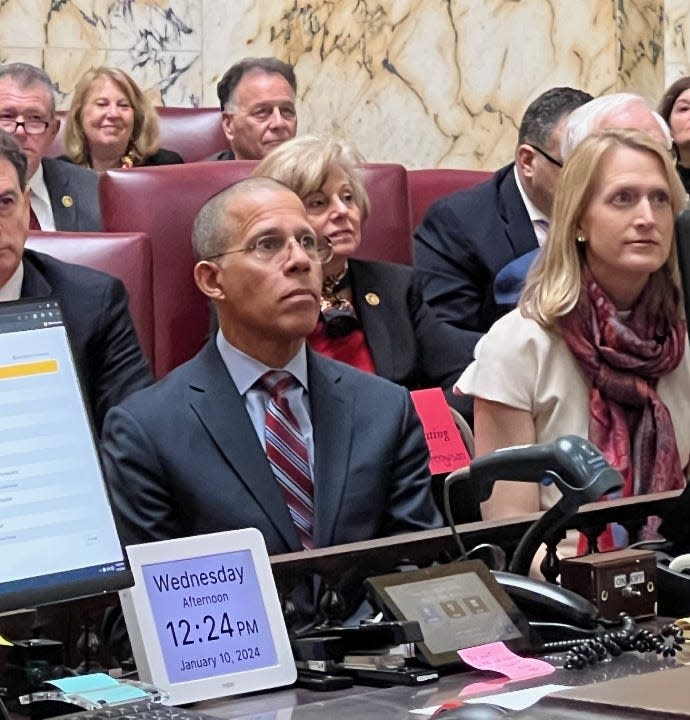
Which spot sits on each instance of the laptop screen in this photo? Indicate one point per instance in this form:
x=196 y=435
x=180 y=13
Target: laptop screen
x=58 y=538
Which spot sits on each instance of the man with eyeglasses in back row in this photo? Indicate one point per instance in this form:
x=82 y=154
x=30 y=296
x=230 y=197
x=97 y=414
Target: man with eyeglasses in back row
x=467 y=238
x=63 y=196
x=257 y=430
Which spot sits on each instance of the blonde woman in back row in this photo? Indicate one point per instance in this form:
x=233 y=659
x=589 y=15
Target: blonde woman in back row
x=597 y=346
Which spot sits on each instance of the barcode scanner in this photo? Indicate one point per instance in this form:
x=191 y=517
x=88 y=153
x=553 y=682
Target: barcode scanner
x=574 y=464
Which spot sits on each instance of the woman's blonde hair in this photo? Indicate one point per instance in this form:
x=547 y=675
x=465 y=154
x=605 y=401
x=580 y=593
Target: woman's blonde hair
x=553 y=283
x=303 y=164
x=144 y=140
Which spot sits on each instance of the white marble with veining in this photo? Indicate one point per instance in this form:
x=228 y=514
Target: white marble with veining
x=423 y=82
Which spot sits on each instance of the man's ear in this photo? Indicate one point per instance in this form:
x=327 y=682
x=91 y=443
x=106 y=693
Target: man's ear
x=525 y=157
x=53 y=128
x=228 y=126
x=207 y=278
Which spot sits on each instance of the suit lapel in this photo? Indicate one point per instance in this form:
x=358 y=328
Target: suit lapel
x=33 y=284
x=221 y=409
x=58 y=188
x=331 y=417
x=518 y=227
x=373 y=318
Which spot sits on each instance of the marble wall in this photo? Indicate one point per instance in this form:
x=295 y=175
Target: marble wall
x=422 y=82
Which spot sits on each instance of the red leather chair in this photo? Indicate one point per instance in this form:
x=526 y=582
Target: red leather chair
x=387 y=232
x=195 y=133
x=163 y=202
x=429 y=185
x=126 y=256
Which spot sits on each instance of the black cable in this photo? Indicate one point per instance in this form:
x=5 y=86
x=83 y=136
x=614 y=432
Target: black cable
x=461 y=474
x=3 y=711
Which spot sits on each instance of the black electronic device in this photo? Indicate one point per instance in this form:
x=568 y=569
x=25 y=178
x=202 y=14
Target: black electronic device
x=574 y=464
x=457 y=606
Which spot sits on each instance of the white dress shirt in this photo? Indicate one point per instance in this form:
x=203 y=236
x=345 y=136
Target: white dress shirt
x=40 y=200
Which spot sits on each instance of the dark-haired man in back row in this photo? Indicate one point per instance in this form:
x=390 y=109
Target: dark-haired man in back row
x=257 y=99
x=466 y=238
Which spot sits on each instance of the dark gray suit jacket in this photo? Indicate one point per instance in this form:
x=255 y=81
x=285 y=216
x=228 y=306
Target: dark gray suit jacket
x=182 y=458
x=463 y=241
x=103 y=340
x=73 y=194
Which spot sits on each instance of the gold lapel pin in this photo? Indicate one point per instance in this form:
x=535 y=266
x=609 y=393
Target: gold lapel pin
x=373 y=299
x=67 y=201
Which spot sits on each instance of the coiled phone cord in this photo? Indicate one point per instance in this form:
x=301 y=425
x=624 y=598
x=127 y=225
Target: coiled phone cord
x=582 y=652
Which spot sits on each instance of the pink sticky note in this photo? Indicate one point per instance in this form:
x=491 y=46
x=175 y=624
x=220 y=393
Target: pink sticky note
x=446 y=448
x=497 y=657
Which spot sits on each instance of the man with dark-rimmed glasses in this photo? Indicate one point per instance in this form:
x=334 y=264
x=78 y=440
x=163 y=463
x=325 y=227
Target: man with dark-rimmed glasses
x=467 y=238
x=63 y=196
x=257 y=430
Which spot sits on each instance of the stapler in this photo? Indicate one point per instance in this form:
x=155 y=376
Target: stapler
x=371 y=653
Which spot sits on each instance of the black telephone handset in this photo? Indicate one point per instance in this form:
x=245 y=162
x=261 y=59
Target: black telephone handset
x=544 y=603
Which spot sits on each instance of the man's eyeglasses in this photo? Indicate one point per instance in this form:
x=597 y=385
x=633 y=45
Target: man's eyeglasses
x=278 y=249
x=550 y=158
x=31 y=127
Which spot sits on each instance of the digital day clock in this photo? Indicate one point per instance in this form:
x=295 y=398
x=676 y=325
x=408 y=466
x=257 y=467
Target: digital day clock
x=204 y=616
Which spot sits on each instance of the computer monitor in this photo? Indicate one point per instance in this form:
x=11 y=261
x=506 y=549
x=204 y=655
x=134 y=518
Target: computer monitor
x=58 y=538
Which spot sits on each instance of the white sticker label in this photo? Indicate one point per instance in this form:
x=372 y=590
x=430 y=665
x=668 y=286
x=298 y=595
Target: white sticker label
x=637 y=577
x=620 y=581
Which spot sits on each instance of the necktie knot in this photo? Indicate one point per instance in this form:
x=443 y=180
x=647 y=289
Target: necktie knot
x=277 y=382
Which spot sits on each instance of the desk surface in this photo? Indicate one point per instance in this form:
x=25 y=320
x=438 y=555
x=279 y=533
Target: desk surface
x=395 y=703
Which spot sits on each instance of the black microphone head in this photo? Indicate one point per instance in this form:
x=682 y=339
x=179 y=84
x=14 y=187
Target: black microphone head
x=583 y=470
x=576 y=466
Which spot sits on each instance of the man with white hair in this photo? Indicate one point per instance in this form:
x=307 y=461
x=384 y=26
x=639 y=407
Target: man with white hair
x=620 y=110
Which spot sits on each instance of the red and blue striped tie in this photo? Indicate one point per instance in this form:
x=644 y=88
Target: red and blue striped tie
x=287 y=453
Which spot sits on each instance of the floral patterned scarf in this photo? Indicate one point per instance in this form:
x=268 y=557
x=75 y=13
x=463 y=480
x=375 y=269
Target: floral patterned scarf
x=622 y=361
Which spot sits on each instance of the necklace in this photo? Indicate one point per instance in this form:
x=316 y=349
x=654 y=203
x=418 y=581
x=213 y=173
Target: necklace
x=330 y=286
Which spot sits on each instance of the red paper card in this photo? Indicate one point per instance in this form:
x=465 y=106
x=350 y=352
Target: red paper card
x=447 y=450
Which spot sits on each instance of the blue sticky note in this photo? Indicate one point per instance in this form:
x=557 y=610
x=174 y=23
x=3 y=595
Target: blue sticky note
x=98 y=689
x=84 y=683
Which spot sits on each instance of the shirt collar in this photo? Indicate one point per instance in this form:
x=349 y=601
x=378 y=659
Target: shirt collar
x=532 y=210
x=246 y=370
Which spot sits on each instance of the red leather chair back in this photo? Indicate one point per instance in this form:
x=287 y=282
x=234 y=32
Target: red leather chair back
x=163 y=202
x=195 y=133
x=426 y=186
x=126 y=256
x=387 y=232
